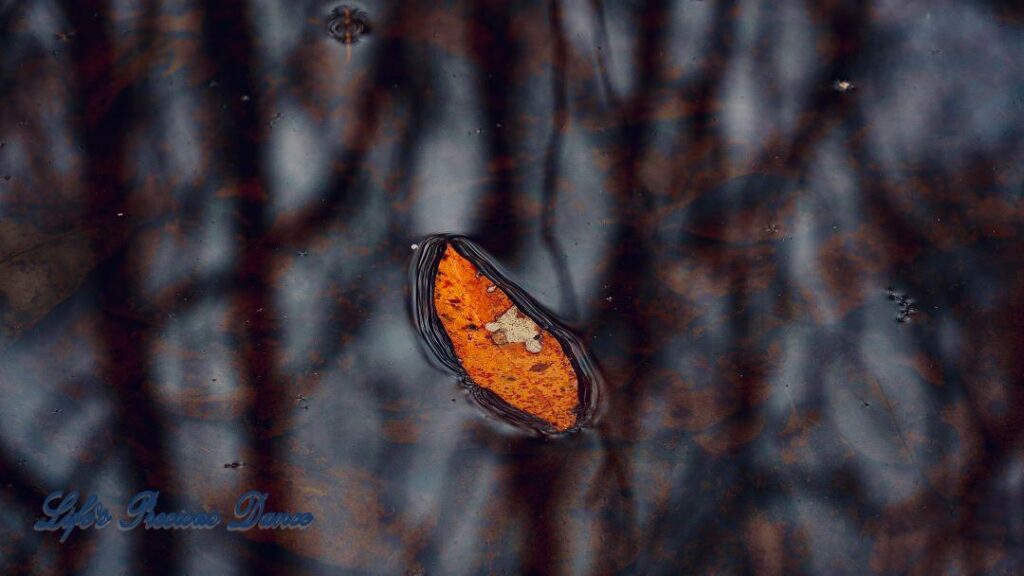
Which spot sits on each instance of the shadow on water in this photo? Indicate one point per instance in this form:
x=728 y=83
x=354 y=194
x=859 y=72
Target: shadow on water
x=105 y=117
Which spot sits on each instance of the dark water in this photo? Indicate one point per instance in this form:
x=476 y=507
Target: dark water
x=790 y=233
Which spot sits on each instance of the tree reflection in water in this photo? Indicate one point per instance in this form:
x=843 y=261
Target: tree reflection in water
x=204 y=248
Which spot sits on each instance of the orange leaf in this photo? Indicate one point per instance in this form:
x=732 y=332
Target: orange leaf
x=517 y=360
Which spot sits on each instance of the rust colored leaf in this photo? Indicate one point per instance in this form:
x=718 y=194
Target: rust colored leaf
x=516 y=359
x=500 y=347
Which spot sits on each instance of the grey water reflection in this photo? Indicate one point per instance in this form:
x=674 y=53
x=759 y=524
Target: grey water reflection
x=208 y=210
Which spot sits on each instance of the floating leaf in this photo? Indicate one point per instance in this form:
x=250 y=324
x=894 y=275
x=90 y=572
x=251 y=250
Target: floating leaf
x=517 y=360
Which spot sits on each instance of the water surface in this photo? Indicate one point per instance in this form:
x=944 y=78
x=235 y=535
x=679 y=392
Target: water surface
x=790 y=234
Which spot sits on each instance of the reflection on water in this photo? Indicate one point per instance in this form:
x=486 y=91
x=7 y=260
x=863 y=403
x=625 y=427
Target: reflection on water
x=206 y=214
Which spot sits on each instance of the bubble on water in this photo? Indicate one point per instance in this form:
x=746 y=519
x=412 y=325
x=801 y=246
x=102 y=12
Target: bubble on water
x=347 y=25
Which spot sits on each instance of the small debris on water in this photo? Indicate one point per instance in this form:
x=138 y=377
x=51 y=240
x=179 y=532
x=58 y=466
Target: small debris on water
x=907 y=305
x=843 y=85
x=234 y=465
